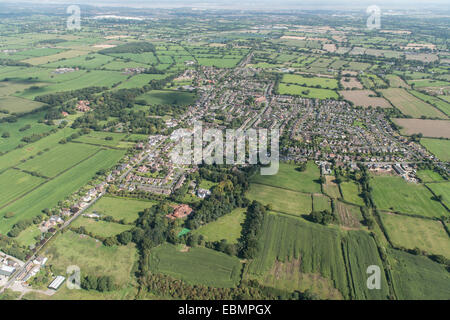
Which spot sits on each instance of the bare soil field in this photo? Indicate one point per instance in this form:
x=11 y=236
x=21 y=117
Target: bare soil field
x=362 y=98
x=351 y=83
x=429 y=128
x=330 y=47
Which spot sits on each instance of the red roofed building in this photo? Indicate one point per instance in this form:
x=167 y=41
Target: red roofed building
x=182 y=211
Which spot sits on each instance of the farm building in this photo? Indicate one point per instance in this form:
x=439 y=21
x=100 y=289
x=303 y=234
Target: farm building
x=59 y=280
x=6 y=271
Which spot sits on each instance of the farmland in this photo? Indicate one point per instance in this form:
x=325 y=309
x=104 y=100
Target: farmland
x=395 y=194
x=100 y=228
x=439 y=147
x=441 y=189
x=410 y=233
x=23 y=183
x=429 y=128
x=364 y=98
x=165 y=97
x=326 y=83
x=351 y=192
x=307 y=92
x=196 y=265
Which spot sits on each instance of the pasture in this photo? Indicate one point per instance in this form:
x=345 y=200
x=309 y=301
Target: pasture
x=22 y=183
x=350 y=192
x=441 y=189
x=327 y=83
x=409 y=232
x=168 y=97
x=429 y=176
x=306 y=92
x=331 y=188
x=196 y=265
x=226 y=227
x=393 y=193
x=439 y=147
x=100 y=228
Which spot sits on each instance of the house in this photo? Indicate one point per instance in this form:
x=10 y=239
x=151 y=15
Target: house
x=83 y=106
x=203 y=193
x=181 y=211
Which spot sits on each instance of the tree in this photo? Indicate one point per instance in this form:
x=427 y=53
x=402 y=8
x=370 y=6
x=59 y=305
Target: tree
x=6 y=135
x=125 y=237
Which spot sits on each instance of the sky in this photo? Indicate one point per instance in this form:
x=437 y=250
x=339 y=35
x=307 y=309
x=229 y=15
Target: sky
x=257 y=4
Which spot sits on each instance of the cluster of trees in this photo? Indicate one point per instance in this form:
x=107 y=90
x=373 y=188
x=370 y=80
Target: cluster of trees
x=133 y=47
x=12 y=248
x=37 y=136
x=60 y=98
x=23 y=224
x=102 y=283
x=324 y=217
x=251 y=229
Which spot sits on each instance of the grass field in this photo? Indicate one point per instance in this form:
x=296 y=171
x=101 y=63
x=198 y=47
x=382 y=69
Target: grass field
x=226 y=227
x=395 y=194
x=27 y=236
x=306 y=92
x=441 y=189
x=411 y=232
x=351 y=192
x=289 y=178
x=167 y=97
x=60 y=158
x=120 y=208
x=321 y=202
x=429 y=176
x=281 y=200
x=48 y=195
x=15 y=183
x=100 y=228
x=417 y=277
x=330 y=188
x=349 y=216
x=410 y=105
x=92 y=257
x=327 y=83
x=429 y=128
x=18 y=105
x=99 y=138
x=440 y=104
x=439 y=147
x=196 y=266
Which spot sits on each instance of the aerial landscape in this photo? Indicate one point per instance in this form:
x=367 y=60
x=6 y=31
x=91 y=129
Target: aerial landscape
x=99 y=98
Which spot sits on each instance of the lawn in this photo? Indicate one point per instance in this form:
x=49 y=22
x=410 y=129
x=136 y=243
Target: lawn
x=439 y=147
x=59 y=159
x=120 y=208
x=92 y=257
x=281 y=200
x=100 y=228
x=15 y=183
x=48 y=195
x=226 y=227
x=409 y=232
x=288 y=177
x=196 y=266
x=393 y=193
x=417 y=277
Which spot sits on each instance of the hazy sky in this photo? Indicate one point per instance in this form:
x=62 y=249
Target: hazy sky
x=258 y=4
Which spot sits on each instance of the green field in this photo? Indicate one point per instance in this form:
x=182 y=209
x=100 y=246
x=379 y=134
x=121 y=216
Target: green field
x=100 y=228
x=306 y=92
x=440 y=104
x=290 y=178
x=100 y=138
x=429 y=176
x=48 y=195
x=196 y=266
x=59 y=159
x=439 y=147
x=281 y=200
x=351 y=192
x=326 y=83
x=393 y=193
x=417 y=277
x=321 y=203
x=92 y=257
x=120 y=208
x=166 y=97
x=27 y=236
x=441 y=189
x=411 y=232
x=18 y=105
x=15 y=183
x=226 y=227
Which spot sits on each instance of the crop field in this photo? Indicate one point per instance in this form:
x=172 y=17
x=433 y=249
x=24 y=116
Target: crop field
x=166 y=97
x=48 y=195
x=288 y=177
x=55 y=57
x=439 y=147
x=417 y=277
x=327 y=83
x=100 y=228
x=351 y=192
x=196 y=266
x=226 y=227
x=429 y=176
x=410 y=105
x=429 y=128
x=120 y=208
x=441 y=189
x=364 y=98
x=92 y=257
x=396 y=82
x=438 y=103
x=23 y=183
x=306 y=92
x=409 y=232
x=282 y=200
x=351 y=82
x=59 y=159
x=349 y=216
x=392 y=193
